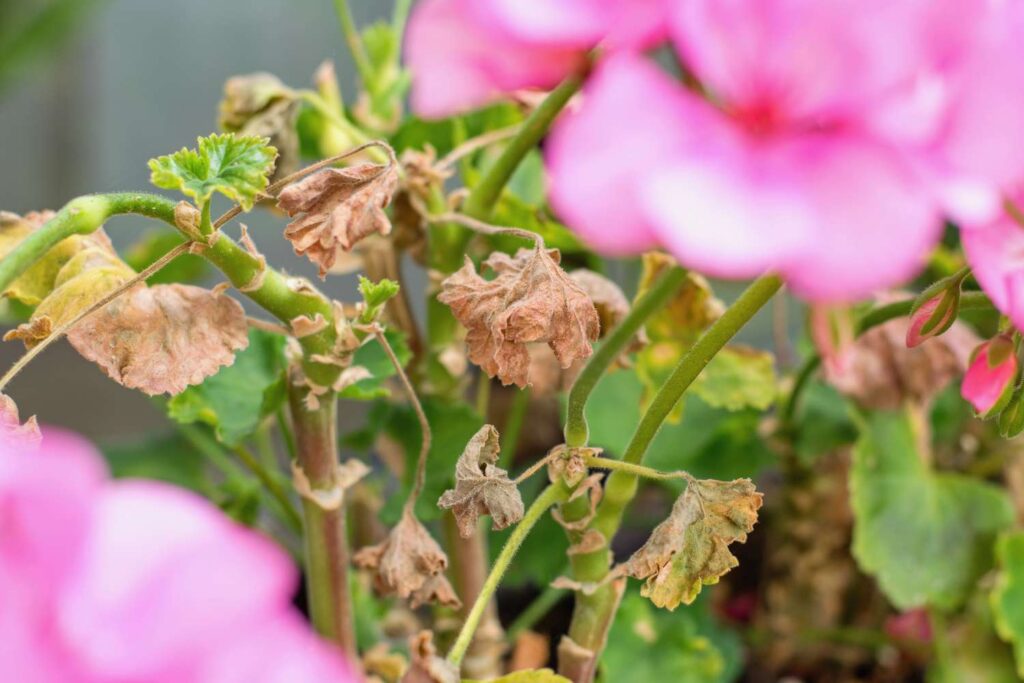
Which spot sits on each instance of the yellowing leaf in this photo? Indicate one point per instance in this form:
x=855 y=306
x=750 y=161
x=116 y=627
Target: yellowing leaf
x=690 y=549
x=481 y=487
x=531 y=300
x=1008 y=594
x=738 y=377
x=236 y=166
x=339 y=207
x=526 y=676
x=38 y=281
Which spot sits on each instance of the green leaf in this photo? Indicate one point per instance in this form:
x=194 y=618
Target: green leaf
x=1008 y=594
x=373 y=357
x=168 y=458
x=236 y=166
x=709 y=443
x=968 y=651
x=526 y=676
x=185 y=269
x=925 y=536
x=685 y=646
x=738 y=377
x=452 y=425
x=823 y=422
x=237 y=398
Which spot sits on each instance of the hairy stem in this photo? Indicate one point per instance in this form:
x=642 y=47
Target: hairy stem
x=593 y=614
x=548 y=497
x=667 y=284
x=354 y=42
x=632 y=468
x=273 y=486
x=513 y=427
x=326 y=541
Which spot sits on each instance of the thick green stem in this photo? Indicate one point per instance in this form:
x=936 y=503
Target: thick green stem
x=355 y=43
x=593 y=614
x=548 y=497
x=484 y=195
x=326 y=540
x=576 y=430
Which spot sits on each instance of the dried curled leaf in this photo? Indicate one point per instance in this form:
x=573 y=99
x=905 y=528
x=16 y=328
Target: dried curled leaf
x=690 y=549
x=164 y=338
x=481 y=487
x=340 y=206
x=531 y=300
x=409 y=564
x=426 y=666
x=12 y=430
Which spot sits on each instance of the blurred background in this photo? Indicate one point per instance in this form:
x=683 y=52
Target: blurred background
x=92 y=89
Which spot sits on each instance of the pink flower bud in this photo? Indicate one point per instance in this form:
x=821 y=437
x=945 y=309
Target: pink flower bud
x=910 y=626
x=933 y=314
x=990 y=379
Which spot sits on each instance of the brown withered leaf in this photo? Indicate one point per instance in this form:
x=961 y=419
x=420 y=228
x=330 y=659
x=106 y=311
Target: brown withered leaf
x=482 y=488
x=164 y=338
x=426 y=665
x=260 y=104
x=340 y=206
x=12 y=430
x=409 y=564
x=611 y=304
x=690 y=549
x=531 y=300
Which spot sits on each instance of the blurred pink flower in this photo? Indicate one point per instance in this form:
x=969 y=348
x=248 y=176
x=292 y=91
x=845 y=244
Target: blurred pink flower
x=989 y=381
x=996 y=256
x=466 y=53
x=112 y=581
x=827 y=143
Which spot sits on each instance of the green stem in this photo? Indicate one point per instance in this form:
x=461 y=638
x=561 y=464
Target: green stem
x=355 y=43
x=631 y=468
x=399 y=18
x=969 y=301
x=548 y=497
x=278 y=294
x=326 y=540
x=273 y=486
x=484 y=195
x=535 y=611
x=594 y=613
x=667 y=284
x=483 y=395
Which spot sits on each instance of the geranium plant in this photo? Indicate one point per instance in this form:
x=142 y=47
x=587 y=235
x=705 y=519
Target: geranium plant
x=865 y=155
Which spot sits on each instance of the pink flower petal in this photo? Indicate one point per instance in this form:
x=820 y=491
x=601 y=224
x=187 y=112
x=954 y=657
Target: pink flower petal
x=985 y=386
x=996 y=256
x=633 y=118
x=458 y=64
x=164 y=563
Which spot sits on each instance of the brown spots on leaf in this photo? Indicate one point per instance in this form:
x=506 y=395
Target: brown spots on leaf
x=409 y=564
x=337 y=208
x=164 y=338
x=531 y=300
x=481 y=487
x=690 y=549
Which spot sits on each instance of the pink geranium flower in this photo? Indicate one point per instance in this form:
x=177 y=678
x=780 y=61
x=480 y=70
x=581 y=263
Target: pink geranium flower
x=466 y=53
x=996 y=256
x=827 y=141
x=114 y=581
x=989 y=381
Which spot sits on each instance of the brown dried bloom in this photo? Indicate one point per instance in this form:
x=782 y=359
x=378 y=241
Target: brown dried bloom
x=481 y=487
x=341 y=206
x=164 y=338
x=260 y=104
x=12 y=430
x=879 y=371
x=409 y=564
x=690 y=549
x=531 y=300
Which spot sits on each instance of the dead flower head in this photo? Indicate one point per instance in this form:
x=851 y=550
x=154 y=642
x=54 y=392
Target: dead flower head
x=410 y=564
x=531 y=300
x=481 y=487
x=339 y=207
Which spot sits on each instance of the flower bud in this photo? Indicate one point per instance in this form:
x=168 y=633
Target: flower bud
x=934 y=311
x=992 y=376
